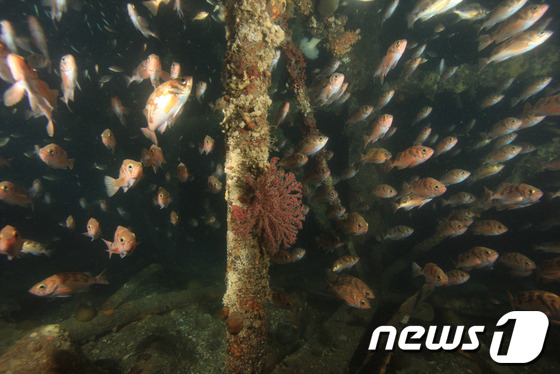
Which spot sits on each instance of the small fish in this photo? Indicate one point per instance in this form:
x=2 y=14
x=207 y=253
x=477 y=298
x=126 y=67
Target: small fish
x=139 y=22
x=379 y=130
x=13 y=195
x=424 y=112
x=281 y=257
x=175 y=72
x=519 y=264
x=485 y=171
x=450 y=228
x=532 y=89
x=425 y=187
x=411 y=157
x=384 y=191
x=355 y=224
x=182 y=172
x=426 y=9
x=351 y=295
x=11 y=242
x=70 y=223
x=445 y=145
x=207 y=145
x=162 y=199
x=93 y=229
x=200 y=16
x=297 y=254
x=471 y=12
x=448 y=72
x=360 y=114
x=410 y=202
x=108 y=140
x=153 y=157
x=174 y=218
x=54 y=156
x=549 y=270
x=514 y=193
x=130 y=174
x=124 y=242
x=391 y=59
x=456 y=277
x=422 y=136
x=69 y=75
x=376 y=156
x=384 y=99
x=65 y=284
x=502 y=154
x=311 y=145
x=504 y=140
x=201 y=89
x=488 y=227
x=389 y=11
x=543 y=301
x=548 y=247
x=395 y=233
x=501 y=12
x=119 y=110
x=344 y=263
x=35 y=248
x=460 y=198
x=491 y=100
x=292 y=161
x=454 y=176
x=476 y=258
x=214 y=184
x=431 y=272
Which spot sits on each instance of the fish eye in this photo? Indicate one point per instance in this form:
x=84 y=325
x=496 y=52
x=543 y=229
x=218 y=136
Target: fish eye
x=130 y=166
x=438 y=277
x=89 y=227
x=459 y=226
x=385 y=154
x=15 y=233
x=51 y=151
x=500 y=227
x=331 y=193
x=362 y=302
x=535 y=8
x=436 y=187
x=182 y=81
x=531 y=191
x=63 y=59
x=359 y=225
x=424 y=150
x=320 y=138
x=42 y=287
x=122 y=239
x=161 y=196
x=5 y=187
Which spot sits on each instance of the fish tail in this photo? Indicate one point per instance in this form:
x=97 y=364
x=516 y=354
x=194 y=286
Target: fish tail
x=14 y=94
x=484 y=41
x=71 y=164
x=395 y=207
x=416 y=270
x=101 y=279
x=487 y=195
x=50 y=128
x=482 y=62
x=111 y=185
x=515 y=101
x=152 y=6
x=410 y=19
x=150 y=135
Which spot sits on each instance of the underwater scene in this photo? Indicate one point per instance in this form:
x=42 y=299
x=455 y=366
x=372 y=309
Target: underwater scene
x=280 y=186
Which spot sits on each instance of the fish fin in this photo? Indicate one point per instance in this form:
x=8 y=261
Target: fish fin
x=152 y=6
x=515 y=101
x=79 y=88
x=149 y=134
x=50 y=128
x=70 y=164
x=487 y=195
x=395 y=207
x=410 y=20
x=164 y=75
x=111 y=185
x=101 y=279
x=416 y=270
x=14 y=94
x=482 y=62
x=484 y=41
x=107 y=243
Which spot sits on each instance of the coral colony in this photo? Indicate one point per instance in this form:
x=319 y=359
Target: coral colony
x=276 y=210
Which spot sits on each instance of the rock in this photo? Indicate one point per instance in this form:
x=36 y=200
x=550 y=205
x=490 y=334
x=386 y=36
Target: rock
x=47 y=349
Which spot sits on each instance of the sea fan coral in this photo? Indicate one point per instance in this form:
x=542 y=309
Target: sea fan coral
x=275 y=212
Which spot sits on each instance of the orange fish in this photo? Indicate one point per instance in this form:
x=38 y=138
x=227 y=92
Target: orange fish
x=311 y=145
x=39 y=39
x=65 y=284
x=165 y=104
x=282 y=113
x=504 y=127
x=344 y=262
x=162 y=199
x=331 y=88
x=118 y=109
x=460 y=198
x=139 y=22
x=543 y=301
x=410 y=202
x=292 y=161
x=11 y=242
x=502 y=154
x=411 y=157
x=425 y=187
x=5 y=73
x=130 y=174
x=149 y=68
x=456 y=277
x=123 y=243
x=174 y=218
x=549 y=270
x=445 y=145
x=108 y=140
x=54 y=156
x=391 y=59
x=214 y=184
x=381 y=127
x=207 y=145
x=351 y=295
x=41 y=98
x=357 y=283
x=476 y=257
x=519 y=264
x=431 y=272
x=297 y=254
x=488 y=227
x=384 y=191
x=69 y=75
x=547 y=106
x=355 y=224
x=281 y=257
x=422 y=136
x=359 y=114
x=153 y=157
x=514 y=193
x=175 y=70
x=14 y=195
x=376 y=156
x=450 y=229
x=93 y=229
x=182 y=172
